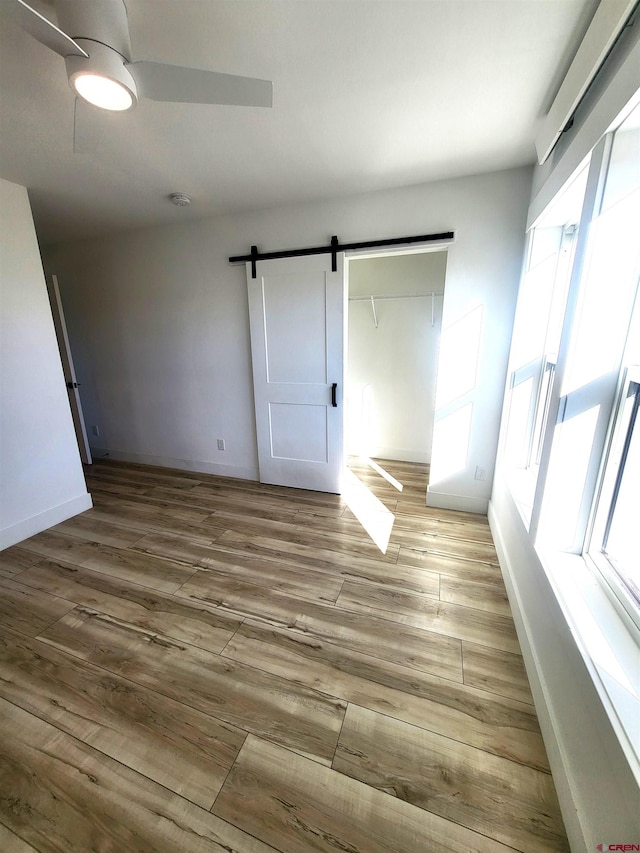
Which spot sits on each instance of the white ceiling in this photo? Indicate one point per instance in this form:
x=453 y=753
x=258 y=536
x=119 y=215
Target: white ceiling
x=368 y=94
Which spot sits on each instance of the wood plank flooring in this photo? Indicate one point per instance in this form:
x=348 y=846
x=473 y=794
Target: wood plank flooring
x=204 y=664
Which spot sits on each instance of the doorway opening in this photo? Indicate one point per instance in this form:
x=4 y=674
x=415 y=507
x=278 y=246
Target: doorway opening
x=393 y=336
x=393 y=328
x=60 y=324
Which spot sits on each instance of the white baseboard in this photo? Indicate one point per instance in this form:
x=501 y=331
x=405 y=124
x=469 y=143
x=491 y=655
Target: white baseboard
x=196 y=465
x=462 y=503
x=43 y=520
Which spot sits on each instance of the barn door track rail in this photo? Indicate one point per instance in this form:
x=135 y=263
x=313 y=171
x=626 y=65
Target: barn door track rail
x=335 y=246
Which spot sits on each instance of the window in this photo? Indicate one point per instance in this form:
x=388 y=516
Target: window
x=542 y=409
x=619 y=537
x=596 y=342
x=557 y=307
x=570 y=449
x=572 y=442
x=536 y=337
x=619 y=541
x=613 y=541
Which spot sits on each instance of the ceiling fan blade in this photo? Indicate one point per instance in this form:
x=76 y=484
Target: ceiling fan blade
x=177 y=83
x=44 y=31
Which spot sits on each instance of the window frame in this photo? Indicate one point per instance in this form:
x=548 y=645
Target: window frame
x=525 y=453
x=591 y=206
x=595 y=557
x=541 y=415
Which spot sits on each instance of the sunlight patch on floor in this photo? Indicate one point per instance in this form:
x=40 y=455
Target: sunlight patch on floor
x=372 y=514
x=379 y=470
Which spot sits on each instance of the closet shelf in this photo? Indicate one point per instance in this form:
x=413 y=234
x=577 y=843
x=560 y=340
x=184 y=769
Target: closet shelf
x=372 y=299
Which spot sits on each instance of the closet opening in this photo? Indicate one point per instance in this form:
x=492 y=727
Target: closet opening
x=394 y=323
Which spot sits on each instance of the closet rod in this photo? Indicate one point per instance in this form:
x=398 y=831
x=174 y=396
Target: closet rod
x=399 y=296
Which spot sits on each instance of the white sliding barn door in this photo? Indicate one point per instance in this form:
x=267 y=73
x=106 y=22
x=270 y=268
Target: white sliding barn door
x=296 y=312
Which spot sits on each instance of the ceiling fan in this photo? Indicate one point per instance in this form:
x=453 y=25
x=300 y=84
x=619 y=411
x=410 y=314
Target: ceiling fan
x=100 y=70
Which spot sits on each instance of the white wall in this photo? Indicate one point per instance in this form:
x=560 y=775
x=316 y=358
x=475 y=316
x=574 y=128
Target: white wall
x=158 y=318
x=41 y=478
x=391 y=368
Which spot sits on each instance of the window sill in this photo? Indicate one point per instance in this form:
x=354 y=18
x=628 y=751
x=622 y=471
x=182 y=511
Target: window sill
x=607 y=645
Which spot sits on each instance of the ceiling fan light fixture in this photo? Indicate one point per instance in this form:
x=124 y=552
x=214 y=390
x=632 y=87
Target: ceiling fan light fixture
x=102 y=92
x=102 y=78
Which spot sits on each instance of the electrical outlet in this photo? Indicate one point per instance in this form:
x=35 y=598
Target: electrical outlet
x=481 y=473
x=95 y=430
x=221 y=444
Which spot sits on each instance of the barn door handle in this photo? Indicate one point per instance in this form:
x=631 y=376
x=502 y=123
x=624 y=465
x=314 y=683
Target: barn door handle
x=334 y=400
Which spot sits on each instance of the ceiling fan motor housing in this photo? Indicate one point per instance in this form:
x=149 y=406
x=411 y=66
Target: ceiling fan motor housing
x=103 y=61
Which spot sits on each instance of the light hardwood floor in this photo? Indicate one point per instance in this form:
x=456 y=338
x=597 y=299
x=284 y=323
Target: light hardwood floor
x=201 y=664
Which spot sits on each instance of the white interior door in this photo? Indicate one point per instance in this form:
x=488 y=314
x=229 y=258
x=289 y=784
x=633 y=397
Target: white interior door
x=68 y=369
x=296 y=312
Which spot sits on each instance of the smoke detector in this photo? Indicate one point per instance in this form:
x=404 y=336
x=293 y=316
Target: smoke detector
x=180 y=199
